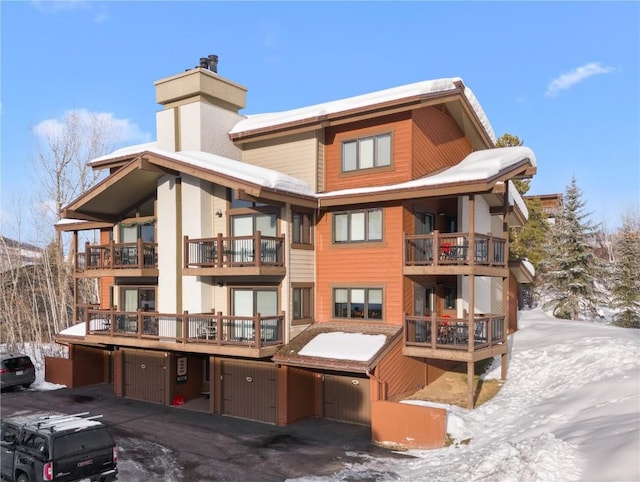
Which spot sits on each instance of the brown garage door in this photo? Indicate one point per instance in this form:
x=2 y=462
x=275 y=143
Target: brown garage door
x=144 y=375
x=346 y=398
x=249 y=390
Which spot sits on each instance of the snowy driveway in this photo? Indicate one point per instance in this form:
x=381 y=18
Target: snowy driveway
x=171 y=444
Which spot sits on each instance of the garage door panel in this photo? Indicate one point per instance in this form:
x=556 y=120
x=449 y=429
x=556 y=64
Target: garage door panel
x=144 y=376
x=249 y=390
x=347 y=399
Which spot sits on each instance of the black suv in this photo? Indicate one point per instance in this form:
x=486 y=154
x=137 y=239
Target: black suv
x=16 y=369
x=57 y=447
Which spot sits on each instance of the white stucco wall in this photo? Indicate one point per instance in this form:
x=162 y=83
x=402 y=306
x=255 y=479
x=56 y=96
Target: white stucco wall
x=166 y=229
x=165 y=127
x=205 y=127
x=197 y=222
x=483 y=225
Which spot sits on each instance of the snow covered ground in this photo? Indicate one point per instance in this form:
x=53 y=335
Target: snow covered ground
x=570 y=410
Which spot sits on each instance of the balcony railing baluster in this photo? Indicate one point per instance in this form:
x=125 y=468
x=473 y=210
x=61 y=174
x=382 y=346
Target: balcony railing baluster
x=453 y=249
x=201 y=328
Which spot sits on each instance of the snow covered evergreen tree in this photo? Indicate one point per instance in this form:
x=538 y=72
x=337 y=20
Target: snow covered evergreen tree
x=570 y=270
x=626 y=275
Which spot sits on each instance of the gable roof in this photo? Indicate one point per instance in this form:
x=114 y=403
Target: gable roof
x=143 y=165
x=350 y=347
x=411 y=94
x=480 y=171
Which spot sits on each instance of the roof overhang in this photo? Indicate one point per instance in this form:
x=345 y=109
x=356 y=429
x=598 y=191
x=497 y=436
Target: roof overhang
x=114 y=195
x=405 y=191
x=289 y=354
x=138 y=179
x=523 y=271
x=454 y=98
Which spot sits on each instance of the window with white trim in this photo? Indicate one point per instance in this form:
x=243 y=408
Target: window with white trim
x=357 y=303
x=366 y=152
x=357 y=226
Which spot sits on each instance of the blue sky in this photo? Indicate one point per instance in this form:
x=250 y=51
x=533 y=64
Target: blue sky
x=564 y=77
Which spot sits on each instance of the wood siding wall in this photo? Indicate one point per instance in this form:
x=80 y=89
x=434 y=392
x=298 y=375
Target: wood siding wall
x=300 y=394
x=301 y=265
x=400 y=374
x=376 y=264
x=295 y=155
x=400 y=127
x=106 y=282
x=437 y=141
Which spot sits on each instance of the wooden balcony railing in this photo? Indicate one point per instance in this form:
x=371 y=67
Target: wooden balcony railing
x=234 y=251
x=117 y=256
x=454 y=333
x=203 y=328
x=454 y=249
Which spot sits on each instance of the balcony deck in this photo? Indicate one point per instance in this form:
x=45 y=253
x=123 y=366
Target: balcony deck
x=454 y=253
x=255 y=255
x=212 y=333
x=117 y=259
x=449 y=338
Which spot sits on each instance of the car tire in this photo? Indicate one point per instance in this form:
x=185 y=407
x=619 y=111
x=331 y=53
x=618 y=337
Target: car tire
x=26 y=385
x=22 y=478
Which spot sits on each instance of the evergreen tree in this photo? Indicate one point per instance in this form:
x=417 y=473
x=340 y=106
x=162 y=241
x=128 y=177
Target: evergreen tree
x=626 y=275
x=570 y=268
x=509 y=140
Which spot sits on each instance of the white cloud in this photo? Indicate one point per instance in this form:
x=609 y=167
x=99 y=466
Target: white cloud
x=121 y=130
x=55 y=6
x=569 y=79
x=52 y=7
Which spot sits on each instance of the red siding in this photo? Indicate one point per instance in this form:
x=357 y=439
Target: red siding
x=400 y=127
x=437 y=141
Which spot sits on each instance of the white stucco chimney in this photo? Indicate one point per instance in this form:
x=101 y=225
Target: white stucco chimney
x=199 y=109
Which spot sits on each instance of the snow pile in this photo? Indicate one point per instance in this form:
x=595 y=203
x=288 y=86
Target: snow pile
x=344 y=346
x=570 y=410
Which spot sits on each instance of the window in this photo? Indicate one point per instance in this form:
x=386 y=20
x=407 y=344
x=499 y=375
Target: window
x=132 y=230
x=425 y=223
x=450 y=296
x=357 y=303
x=357 y=226
x=366 y=153
x=241 y=203
x=302 y=228
x=302 y=304
x=133 y=298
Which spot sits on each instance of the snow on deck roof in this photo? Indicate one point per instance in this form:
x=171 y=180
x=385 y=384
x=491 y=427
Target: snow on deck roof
x=477 y=166
x=259 y=121
x=258 y=175
x=125 y=151
x=344 y=346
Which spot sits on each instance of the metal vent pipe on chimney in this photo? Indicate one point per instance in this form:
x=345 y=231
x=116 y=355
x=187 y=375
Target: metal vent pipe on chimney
x=213 y=63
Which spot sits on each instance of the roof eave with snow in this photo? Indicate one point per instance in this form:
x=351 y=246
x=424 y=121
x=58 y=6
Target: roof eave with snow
x=380 y=101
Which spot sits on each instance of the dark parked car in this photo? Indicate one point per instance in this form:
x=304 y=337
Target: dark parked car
x=57 y=447
x=16 y=369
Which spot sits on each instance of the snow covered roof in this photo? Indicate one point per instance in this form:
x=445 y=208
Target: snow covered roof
x=257 y=175
x=517 y=199
x=352 y=347
x=125 y=151
x=477 y=166
x=267 y=120
x=344 y=346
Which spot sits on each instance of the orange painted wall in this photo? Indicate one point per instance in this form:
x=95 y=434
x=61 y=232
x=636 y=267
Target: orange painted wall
x=376 y=264
x=437 y=141
x=107 y=281
x=400 y=127
x=409 y=426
